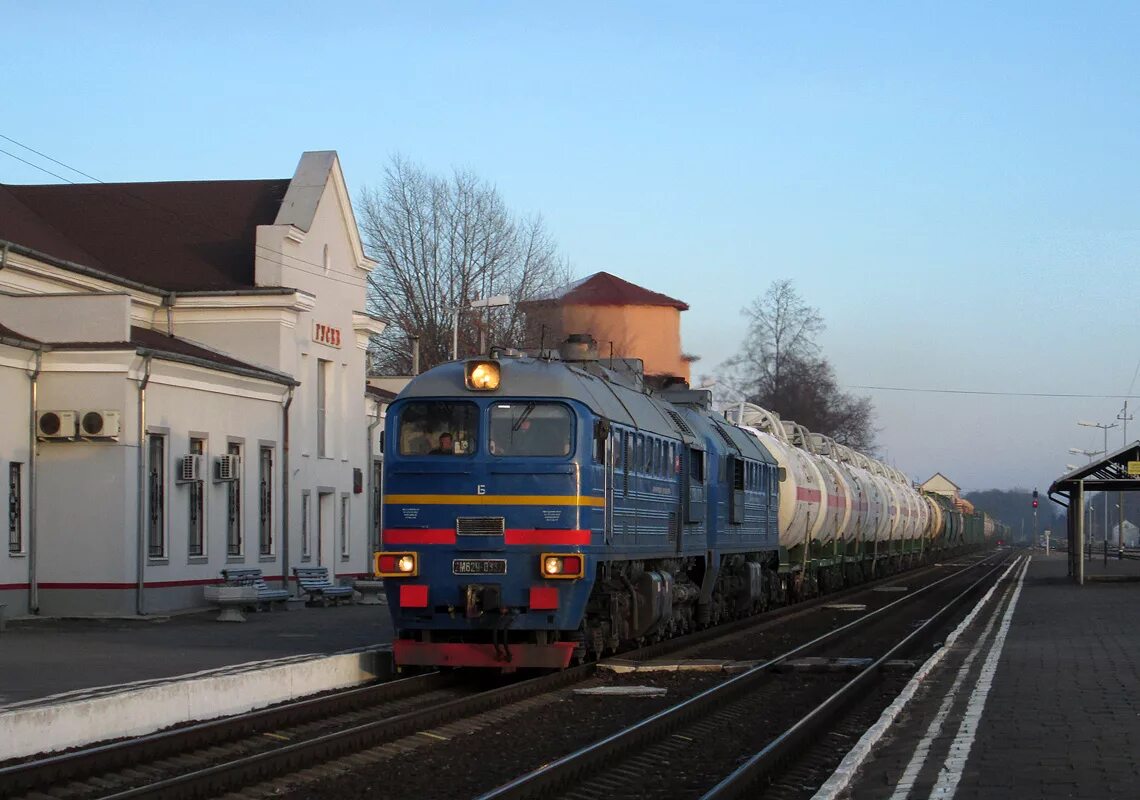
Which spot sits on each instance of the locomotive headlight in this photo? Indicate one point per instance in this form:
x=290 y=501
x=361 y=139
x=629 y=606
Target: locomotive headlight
x=482 y=376
x=396 y=565
x=563 y=565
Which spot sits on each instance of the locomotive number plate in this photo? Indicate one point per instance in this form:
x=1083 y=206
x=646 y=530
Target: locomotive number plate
x=479 y=566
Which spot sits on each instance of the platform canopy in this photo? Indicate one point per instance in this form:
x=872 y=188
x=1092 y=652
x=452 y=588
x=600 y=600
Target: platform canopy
x=1110 y=473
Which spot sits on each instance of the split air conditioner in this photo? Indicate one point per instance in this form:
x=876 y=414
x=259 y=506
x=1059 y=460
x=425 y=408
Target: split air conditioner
x=99 y=425
x=227 y=468
x=191 y=468
x=55 y=425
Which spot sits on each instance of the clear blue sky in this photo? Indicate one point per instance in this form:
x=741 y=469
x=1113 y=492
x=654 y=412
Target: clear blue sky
x=954 y=186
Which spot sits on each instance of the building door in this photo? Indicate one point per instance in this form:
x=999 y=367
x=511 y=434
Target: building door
x=326 y=527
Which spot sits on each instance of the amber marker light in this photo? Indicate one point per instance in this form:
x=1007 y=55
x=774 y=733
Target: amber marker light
x=396 y=565
x=563 y=565
x=482 y=376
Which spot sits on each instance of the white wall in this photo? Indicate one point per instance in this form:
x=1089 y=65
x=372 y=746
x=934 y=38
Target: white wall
x=15 y=391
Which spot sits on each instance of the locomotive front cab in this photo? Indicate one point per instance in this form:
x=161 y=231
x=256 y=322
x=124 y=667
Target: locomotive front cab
x=491 y=501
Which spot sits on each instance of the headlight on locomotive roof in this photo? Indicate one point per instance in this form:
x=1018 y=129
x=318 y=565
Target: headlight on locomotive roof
x=482 y=376
x=396 y=565
x=563 y=565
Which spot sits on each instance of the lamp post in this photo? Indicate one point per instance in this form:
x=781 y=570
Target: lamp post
x=1104 y=428
x=484 y=302
x=1087 y=453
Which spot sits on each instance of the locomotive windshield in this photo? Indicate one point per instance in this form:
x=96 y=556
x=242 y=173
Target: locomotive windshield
x=530 y=429
x=438 y=428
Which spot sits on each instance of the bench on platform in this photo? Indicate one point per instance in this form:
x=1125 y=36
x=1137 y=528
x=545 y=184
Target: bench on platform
x=240 y=576
x=314 y=581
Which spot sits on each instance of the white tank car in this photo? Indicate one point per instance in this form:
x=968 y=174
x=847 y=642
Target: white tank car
x=832 y=490
x=800 y=516
x=935 y=526
x=836 y=494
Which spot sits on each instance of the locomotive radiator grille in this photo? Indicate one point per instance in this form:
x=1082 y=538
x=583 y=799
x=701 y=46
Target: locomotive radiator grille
x=480 y=526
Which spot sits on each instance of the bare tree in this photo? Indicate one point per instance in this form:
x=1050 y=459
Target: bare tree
x=779 y=366
x=441 y=243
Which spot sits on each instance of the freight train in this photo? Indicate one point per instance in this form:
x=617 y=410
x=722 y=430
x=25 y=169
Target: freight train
x=539 y=511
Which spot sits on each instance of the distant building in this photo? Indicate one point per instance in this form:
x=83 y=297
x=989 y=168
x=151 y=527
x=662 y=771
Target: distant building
x=1131 y=534
x=628 y=321
x=940 y=484
x=196 y=354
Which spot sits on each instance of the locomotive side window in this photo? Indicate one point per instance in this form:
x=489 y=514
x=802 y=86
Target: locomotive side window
x=530 y=429
x=438 y=428
x=697 y=466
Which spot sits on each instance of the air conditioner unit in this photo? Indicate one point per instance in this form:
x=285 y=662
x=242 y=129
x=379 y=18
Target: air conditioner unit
x=99 y=425
x=191 y=468
x=227 y=468
x=55 y=425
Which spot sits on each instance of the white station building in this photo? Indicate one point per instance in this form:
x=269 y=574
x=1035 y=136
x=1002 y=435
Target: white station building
x=182 y=377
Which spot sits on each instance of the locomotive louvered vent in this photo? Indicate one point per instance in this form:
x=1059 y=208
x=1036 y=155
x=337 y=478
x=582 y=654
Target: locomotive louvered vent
x=727 y=439
x=679 y=421
x=479 y=526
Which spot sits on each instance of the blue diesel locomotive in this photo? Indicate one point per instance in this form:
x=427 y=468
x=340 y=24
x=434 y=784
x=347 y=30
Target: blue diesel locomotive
x=541 y=510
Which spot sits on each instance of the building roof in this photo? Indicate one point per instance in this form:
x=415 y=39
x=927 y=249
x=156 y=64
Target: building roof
x=943 y=477
x=177 y=235
x=604 y=289
x=8 y=333
x=383 y=395
x=179 y=349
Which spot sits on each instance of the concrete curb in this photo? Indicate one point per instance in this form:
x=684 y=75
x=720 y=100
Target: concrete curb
x=93 y=715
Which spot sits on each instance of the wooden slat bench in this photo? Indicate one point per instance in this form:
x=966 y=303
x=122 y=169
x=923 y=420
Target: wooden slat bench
x=314 y=581
x=249 y=575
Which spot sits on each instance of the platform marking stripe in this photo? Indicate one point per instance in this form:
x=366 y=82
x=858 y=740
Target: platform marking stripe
x=934 y=730
x=845 y=772
x=952 y=769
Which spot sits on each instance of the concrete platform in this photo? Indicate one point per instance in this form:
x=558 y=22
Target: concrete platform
x=69 y=682
x=1037 y=698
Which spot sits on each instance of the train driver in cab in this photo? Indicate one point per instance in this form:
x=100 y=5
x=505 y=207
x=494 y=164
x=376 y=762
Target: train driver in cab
x=446 y=446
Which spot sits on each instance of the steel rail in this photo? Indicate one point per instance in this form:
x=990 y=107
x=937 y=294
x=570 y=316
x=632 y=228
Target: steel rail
x=583 y=763
x=766 y=761
x=244 y=771
x=100 y=759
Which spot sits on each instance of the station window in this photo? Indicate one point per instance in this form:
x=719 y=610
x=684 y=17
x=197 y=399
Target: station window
x=156 y=495
x=323 y=368
x=306 y=498
x=265 y=502
x=344 y=528
x=438 y=428
x=530 y=429
x=233 y=507
x=196 y=544
x=15 y=509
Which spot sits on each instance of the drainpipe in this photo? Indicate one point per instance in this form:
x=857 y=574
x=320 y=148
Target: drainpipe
x=33 y=579
x=285 y=485
x=140 y=604
x=372 y=478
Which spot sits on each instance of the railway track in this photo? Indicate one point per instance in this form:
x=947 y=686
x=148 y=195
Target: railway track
x=672 y=753
x=211 y=758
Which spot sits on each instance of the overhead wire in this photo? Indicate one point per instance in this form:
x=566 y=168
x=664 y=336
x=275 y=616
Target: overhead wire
x=996 y=393
x=200 y=223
